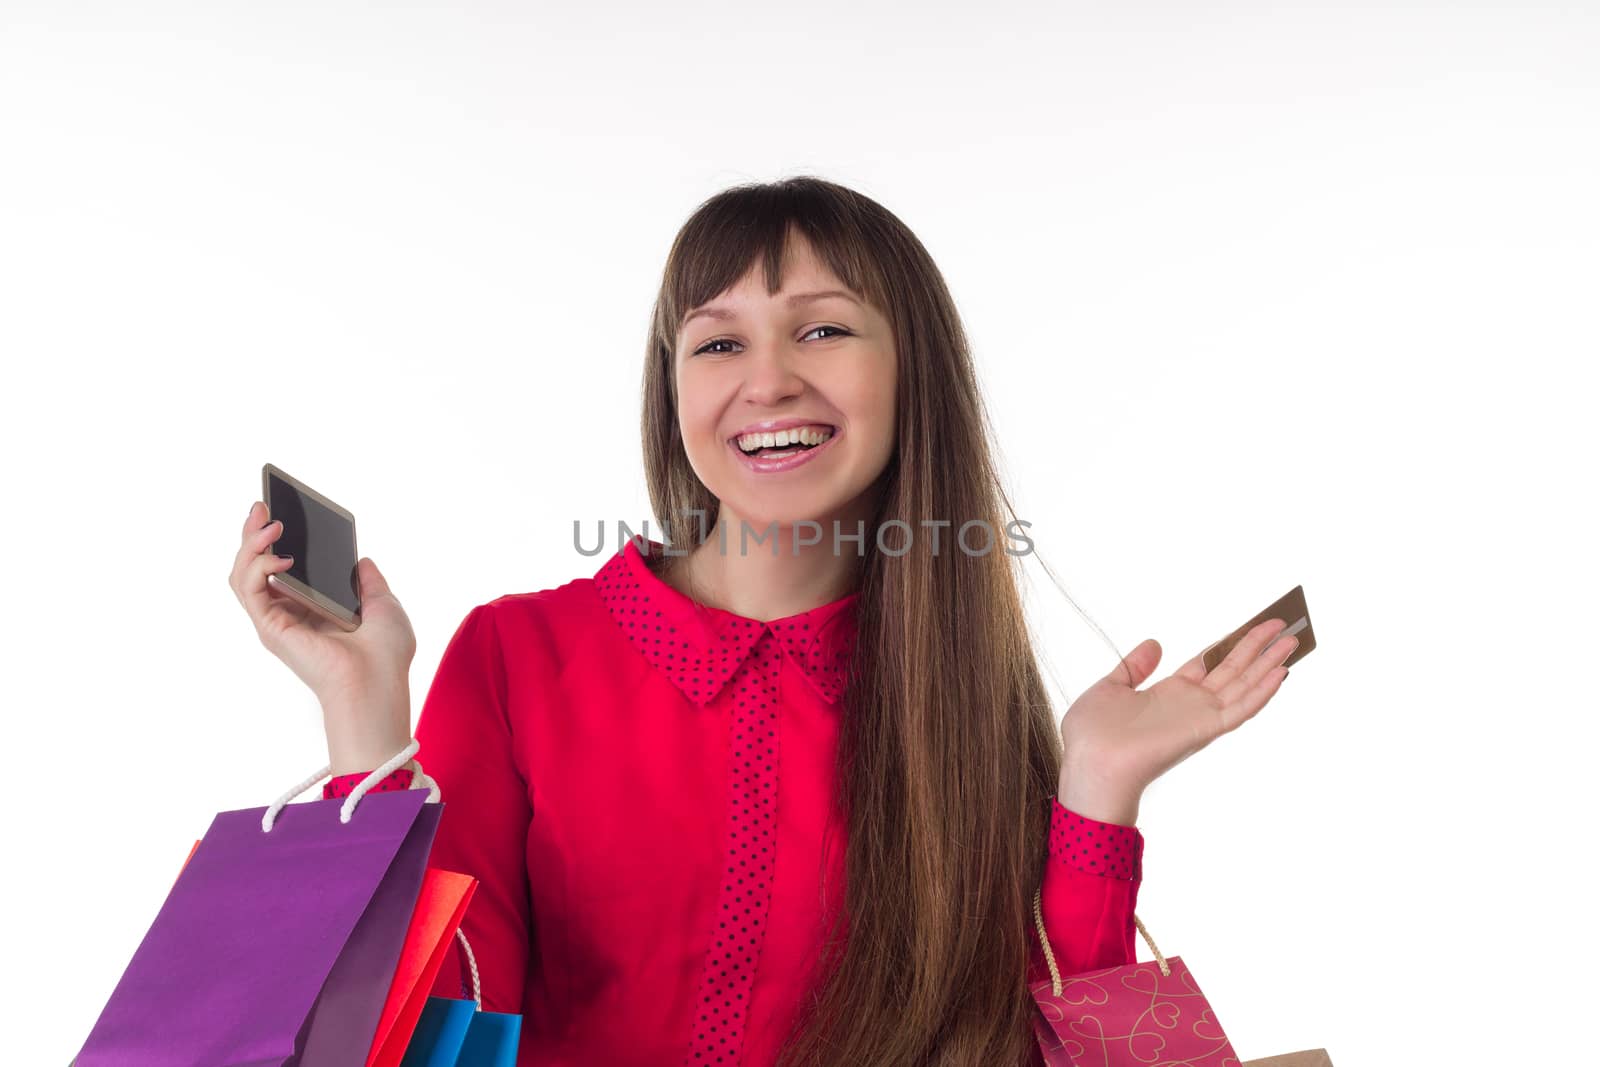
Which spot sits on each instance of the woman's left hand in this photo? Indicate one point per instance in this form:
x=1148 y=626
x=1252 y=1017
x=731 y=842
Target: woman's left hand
x=1117 y=739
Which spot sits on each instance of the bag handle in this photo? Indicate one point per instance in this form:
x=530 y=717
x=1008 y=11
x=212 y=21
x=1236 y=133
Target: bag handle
x=472 y=964
x=1050 y=957
x=419 y=780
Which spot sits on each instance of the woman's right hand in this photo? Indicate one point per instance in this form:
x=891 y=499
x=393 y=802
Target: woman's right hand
x=362 y=679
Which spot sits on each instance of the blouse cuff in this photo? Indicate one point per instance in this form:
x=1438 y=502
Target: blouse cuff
x=1103 y=848
x=345 y=784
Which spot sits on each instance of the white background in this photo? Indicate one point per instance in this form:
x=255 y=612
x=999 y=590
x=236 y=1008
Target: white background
x=1261 y=294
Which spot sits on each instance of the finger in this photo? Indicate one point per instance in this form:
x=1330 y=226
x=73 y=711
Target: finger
x=1137 y=666
x=284 y=606
x=1263 y=665
x=253 y=549
x=1240 y=710
x=1195 y=669
x=1243 y=654
x=370 y=582
x=256 y=519
x=249 y=546
x=253 y=587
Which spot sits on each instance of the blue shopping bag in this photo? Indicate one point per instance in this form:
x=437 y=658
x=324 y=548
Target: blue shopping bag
x=459 y=1033
x=491 y=1040
x=440 y=1033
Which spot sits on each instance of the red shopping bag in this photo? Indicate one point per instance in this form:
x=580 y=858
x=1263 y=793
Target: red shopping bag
x=1135 y=1015
x=440 y=907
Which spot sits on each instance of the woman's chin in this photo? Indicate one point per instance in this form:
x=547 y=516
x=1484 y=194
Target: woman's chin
x=783 y=516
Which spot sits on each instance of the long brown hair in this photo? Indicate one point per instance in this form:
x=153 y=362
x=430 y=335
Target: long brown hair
x=949 y=752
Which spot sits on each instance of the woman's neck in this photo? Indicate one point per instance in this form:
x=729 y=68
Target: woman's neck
x=760 y=582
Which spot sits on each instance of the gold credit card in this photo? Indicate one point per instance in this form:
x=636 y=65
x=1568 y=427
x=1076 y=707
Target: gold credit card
x=1291 y=608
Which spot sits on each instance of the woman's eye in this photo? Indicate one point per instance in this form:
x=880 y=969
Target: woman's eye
x=838 y=330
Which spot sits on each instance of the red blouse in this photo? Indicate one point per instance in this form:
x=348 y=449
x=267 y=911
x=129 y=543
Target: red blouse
x=642 y=785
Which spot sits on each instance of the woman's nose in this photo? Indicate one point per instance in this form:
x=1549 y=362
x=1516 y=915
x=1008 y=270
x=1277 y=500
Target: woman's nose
x=770 y=375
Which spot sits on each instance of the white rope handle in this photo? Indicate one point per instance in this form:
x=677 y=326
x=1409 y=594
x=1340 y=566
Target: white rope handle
x=419 y=780
x=472 y=963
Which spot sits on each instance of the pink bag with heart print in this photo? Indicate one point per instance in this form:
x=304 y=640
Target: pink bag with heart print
x=1135 y=1015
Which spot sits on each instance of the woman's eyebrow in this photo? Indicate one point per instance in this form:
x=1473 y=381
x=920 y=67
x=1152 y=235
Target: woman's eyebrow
x=713 y=312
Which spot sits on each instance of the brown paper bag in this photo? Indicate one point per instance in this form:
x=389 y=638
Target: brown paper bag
x=1311 y=1057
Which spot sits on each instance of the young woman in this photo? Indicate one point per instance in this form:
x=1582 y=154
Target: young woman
x=784 y=800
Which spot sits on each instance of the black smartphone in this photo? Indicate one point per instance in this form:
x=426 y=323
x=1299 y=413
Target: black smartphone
x=321 y=536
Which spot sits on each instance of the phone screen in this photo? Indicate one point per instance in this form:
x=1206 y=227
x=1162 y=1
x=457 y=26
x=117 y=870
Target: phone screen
x=322 y=542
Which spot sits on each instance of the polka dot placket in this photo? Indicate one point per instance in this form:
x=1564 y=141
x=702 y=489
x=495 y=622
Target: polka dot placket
x=702 y=656
x=724 y=996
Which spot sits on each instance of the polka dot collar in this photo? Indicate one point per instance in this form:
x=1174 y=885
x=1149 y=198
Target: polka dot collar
x=699 y=647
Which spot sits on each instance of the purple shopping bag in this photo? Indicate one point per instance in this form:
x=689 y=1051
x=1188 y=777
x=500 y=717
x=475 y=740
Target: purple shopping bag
x=276 y=947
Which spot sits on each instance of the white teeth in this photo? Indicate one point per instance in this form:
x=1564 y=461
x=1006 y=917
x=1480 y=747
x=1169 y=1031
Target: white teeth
x=804 y=435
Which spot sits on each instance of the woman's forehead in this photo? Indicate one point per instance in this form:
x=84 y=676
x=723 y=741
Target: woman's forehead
x=805 y=283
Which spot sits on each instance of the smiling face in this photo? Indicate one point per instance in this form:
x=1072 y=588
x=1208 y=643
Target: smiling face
x=786 y=402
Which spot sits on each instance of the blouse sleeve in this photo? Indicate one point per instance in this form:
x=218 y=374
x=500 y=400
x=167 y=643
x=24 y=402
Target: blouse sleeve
x=345 y=784
x=1092 y=872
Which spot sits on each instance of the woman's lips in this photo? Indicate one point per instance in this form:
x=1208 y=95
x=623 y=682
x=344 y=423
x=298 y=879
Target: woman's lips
x=778 y=464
